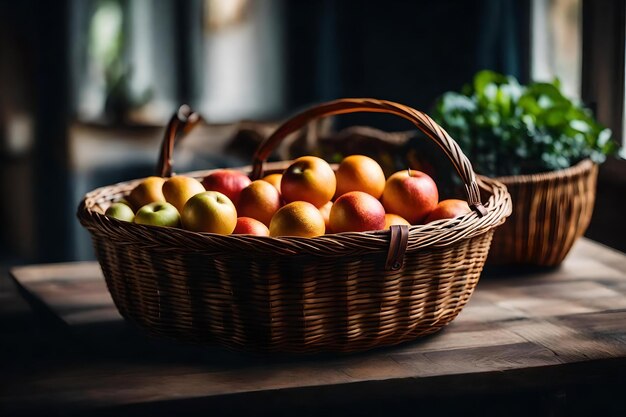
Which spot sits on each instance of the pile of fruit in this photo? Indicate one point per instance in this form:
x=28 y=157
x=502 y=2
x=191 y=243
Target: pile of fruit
x=308 y=199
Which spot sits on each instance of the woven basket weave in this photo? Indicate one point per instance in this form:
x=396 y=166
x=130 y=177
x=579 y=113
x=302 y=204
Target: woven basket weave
x=550 y=211
x=341 y=292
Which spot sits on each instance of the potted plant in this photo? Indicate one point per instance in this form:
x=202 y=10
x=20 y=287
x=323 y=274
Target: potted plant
x=544 y=147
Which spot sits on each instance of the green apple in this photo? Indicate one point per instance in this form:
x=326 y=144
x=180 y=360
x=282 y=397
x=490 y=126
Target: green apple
x=124 y=201
x=120 y=211
x=210 y=211
x=158 y=214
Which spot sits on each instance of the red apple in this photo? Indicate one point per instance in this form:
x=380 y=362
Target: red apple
x=250 y=226
x=228 y=182
x=356 y=211
x=411 y=194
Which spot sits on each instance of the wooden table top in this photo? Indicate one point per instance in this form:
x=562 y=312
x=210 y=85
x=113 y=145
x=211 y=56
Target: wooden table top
x=68 y=350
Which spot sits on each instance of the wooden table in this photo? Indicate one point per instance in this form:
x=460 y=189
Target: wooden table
x=533 y=343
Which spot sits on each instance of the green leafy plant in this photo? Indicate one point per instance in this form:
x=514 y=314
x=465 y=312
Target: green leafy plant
x=506 y=128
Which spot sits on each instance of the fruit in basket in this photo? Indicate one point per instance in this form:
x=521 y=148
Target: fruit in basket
x=228 y=182
x=274 y=179
x=259 y=200
x=325 y=210
x=410 y=194
x=177 y=190
x=158 y=213
x=309 y=179
x=298 y=218
x=360 y=173
x=124 y=201
x=356 y=211
x=393 y=220
x=120 y=211
x=448 y=209
x=210 y=211
x=250 y=226
x=148 y=191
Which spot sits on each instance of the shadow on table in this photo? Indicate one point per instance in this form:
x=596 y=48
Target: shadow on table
x=119 y=340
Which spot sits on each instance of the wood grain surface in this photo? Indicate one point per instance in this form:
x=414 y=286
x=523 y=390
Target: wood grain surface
x=549 y=331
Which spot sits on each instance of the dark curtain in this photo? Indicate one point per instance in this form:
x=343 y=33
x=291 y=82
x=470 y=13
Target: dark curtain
x=407 y=51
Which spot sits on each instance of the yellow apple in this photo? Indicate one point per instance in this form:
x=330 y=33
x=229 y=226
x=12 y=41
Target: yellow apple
x=210 y=211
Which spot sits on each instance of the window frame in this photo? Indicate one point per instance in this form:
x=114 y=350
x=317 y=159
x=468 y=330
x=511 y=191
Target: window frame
x=603 y=55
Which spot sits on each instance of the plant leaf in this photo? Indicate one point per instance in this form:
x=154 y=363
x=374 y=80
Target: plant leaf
x=506 y=128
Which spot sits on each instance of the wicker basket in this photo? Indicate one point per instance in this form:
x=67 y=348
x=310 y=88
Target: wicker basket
x=550 y=211
x=339 y=292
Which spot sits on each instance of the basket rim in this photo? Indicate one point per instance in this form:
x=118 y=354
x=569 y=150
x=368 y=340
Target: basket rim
x=578 y=168
x=440 y=233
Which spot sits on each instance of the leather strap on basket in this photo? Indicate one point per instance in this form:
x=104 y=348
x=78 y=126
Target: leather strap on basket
x=398 y=241
x=179 y=125
x=353 y=105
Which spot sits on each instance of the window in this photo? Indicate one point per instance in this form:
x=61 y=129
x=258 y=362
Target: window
x=557 y=43
x=137 y=61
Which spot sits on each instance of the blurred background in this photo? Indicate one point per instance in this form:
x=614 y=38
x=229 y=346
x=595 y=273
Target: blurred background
x=87 y=86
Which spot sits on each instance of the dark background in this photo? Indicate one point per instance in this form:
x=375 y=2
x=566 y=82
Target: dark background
x=51 y=153
x=406 y=51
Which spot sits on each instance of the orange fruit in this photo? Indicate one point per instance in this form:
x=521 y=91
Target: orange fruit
x=148 y=191
x=259 y=200
x=298 y=218
x=325 y=210
x=360 y=173
x=273 y=179
x=177 y=190
x=448 y=209
x=393 y=219
x=309 y=179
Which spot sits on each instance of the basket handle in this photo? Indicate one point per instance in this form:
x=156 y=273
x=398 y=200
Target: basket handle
x=353 y=105
x=179 y=125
